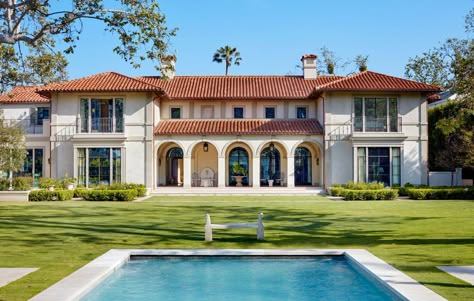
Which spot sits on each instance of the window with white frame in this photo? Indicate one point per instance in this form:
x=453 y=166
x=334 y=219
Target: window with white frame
x=175 y=113
x=99 y=166
x=379 y=164
x=270 y=112
x=301 y=112
x=376 y=114
x=101 y=115
x=238 y=112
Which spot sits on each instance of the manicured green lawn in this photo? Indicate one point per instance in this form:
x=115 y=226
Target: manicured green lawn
x=414 y=236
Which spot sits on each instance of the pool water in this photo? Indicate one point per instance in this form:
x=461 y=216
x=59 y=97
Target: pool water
x=224 y=278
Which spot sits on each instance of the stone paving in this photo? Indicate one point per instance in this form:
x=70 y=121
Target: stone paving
x=465 y=273
x=8 y=275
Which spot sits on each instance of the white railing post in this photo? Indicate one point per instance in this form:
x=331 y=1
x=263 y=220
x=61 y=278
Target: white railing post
x=208 y=228
x=260 y=228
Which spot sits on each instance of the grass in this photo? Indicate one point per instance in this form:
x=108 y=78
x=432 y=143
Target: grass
x=413 y=236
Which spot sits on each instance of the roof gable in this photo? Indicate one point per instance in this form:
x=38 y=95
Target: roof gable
x=102 y=82
x=23 y=94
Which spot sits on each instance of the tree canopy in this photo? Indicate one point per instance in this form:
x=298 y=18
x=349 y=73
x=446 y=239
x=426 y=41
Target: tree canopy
x=229 y=55
x=31 y=30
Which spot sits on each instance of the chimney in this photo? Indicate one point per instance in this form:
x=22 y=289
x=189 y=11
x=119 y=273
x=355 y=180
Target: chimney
x=309 y=66
x=168 y=66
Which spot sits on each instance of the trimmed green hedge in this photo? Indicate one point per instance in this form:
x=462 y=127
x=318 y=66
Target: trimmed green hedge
x=438 y=193
x=49 y=196
x=18 y=183
x=96 y=195
x=364 y=195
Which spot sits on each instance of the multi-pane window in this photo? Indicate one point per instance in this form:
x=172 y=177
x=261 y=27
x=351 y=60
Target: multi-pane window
x=175 y=113
x=33 y=165
x=238 y=112
x=379 y=164
x=99 y=166
x=103 y=115
x=376 y=114
x=301 y=112
x=270 y=112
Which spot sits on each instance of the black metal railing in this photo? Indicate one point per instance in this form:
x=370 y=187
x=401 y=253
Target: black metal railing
x=100 y=125
x=375 y=124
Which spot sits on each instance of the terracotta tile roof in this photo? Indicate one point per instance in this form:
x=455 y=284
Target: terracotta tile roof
x=238 y=87
x=102 y=82
x=238 y=127
x=372 y=81
x=23 y=94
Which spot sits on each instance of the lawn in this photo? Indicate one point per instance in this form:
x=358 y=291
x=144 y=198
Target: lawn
x=414 y=236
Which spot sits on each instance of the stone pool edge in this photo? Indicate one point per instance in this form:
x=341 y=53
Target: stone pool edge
x=81 y=282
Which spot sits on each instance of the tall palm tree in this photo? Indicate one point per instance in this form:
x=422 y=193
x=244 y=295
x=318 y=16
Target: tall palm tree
x=228 y=54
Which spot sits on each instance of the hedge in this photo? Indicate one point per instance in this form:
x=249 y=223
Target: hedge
x=438 y=193
x=96 y=195
x=48 y=196
x=363 y=195
x=18 y=183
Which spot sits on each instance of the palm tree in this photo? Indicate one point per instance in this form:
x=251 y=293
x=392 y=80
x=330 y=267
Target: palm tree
x=229 y=55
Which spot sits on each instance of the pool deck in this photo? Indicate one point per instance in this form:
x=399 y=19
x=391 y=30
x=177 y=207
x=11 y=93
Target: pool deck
x=81 y=282
x=465 y=273
x=8 y=275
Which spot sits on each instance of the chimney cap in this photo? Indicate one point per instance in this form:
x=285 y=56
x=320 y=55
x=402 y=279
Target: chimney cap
x=309 y=56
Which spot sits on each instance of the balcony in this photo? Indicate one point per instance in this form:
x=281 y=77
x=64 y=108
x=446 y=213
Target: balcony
x=100 y=125
x=376 y=125
x=30 y=126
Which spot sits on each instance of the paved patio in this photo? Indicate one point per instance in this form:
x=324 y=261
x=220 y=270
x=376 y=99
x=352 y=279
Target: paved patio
x=465 y=273
x=8 y=275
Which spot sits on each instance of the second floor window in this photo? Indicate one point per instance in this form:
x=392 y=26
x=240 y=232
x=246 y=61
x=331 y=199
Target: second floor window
x=238 y=112
x=301 y=113
x=175 y=113
x=104 y=115
x=376 y=114
x=270 y=113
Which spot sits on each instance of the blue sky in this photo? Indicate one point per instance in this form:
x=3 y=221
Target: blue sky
x=271 y=35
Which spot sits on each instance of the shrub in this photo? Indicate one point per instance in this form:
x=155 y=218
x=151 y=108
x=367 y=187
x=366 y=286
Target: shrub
x=22 y=183
x=46 y=182
x=48 y=196
x=364 y=186
x=337 y=191
x=369 y=194
x=140 y=188
x=77 y=193
x=96 y=195
x=455 y=193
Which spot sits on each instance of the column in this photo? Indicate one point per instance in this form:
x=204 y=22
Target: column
x=290 y=180
x=187 y=172
x=256 y=172
x=221 y=172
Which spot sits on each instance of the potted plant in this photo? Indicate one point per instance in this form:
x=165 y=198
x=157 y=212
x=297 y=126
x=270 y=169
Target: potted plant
x=239 y=172
x=68 y=182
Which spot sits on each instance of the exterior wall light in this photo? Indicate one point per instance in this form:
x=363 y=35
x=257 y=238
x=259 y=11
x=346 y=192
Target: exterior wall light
x=205 y=147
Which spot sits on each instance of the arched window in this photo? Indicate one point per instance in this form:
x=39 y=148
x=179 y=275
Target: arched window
x=238 y=165
x=303 y=166
x=269 y=165
x=175 y=152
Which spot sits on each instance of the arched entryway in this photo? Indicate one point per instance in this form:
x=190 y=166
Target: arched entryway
x=174 y=167
x=273 y=161
x=204 y=165
x=238 y=166
x=308 y=165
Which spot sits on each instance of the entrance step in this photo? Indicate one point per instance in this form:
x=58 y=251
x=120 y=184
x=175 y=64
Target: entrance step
x=160 y=191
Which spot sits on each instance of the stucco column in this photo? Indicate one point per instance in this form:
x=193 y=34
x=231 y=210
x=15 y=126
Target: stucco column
x=187 y=172
x=290 y=178
x=256 y=172
x=221 y=172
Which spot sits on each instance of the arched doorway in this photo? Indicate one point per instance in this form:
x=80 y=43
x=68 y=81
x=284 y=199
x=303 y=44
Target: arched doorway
x=270 y=166
x=239 y=168
x=303 y=166
x=174 y=166
x=204 y=166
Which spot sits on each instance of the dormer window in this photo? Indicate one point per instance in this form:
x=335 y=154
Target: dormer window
x=238 y=112
x=301 y=113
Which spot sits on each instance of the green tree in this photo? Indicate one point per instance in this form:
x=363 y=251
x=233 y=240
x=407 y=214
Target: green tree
x=12 y=148
x=32 y=28
x=361 y=62
x=229 y=55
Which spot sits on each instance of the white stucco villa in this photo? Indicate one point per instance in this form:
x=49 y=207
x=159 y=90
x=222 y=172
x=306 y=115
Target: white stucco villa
x=226 y=130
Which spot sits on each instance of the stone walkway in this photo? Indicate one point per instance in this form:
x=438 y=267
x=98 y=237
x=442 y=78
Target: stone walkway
x=308 y=191
x=465 y=273
x=8 y=275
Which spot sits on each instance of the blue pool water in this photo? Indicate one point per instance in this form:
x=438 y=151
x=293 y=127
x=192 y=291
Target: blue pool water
x=215 y=278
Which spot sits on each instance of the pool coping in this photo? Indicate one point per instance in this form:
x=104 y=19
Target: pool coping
x=81 y=282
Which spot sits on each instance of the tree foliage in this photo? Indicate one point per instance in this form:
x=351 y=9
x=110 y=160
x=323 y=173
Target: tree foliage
x=12 y=146
x=229 y=55
x=32 y=28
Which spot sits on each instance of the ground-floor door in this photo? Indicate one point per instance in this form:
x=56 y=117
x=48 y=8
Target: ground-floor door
x=303 y=168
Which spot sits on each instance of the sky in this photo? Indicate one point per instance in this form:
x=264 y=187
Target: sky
x=272 y=35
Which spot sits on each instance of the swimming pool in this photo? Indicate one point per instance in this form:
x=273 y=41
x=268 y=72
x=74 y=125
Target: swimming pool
x=208 y=274
x=237 y=278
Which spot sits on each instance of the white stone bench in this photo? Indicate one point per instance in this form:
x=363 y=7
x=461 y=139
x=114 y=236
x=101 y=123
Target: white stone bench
x=259 y=226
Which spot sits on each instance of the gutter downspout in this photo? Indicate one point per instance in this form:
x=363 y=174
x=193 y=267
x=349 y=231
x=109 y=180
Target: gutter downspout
x=324 y=144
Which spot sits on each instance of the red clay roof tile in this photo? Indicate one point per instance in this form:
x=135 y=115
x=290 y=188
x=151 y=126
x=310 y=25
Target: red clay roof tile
x=102 y=82
x=238 y=127
x=238 y=87
x=373 y=81
x=23 y=94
